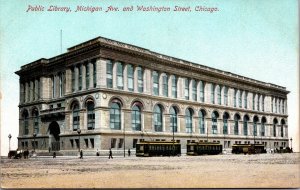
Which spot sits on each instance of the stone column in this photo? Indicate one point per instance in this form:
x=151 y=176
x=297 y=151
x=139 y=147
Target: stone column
x=57 y=81
x=84 y=87
x=148 y=120
x=68 y=81
x=166 y=127
x=181 y=120
x=21 y=92
x=198 y=91
x=127 y=120
x=190 y=89
x=102 y=73
x=147 y=81
x=207 y=93
x=196 y=124
x=180 y=88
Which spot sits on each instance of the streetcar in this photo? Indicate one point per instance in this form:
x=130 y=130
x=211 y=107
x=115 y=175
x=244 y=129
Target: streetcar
x=248 y=148
x=202 y=148
x=158 y=148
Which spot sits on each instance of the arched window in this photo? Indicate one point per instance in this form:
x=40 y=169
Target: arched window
x=201 y=121
x=35 y=115
x=189 y=120
x=214 y=119
x=246 y=119
x=115 y=116
x=140 y=79
x=281 y=127
x=274 y=126
x=255 y=120
x=136 y=120
x=109 y=74
x=158 y=118
x=174 y=86
x=263 y=128
x=237 y=117
x=155 y=80
x=219 y=94
x=90 y=115
x=130 y=77
x=165 y=84
x=225 y=123
x=194 y=90
x=120 y=83
x=25 y=122
x=201 y=91
x=76 y=116
x=173 y=119
x=187 y=89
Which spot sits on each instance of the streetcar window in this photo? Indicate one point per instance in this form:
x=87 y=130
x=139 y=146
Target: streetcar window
x=142 y=148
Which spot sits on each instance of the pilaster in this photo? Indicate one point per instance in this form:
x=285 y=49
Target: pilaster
x=102 y=73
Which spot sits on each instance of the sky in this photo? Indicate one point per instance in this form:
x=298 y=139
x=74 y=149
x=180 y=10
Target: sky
x=256 y=39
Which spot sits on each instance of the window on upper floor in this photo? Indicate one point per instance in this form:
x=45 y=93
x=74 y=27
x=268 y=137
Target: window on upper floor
x=53 y=86
x=155 y=79
x=136 y=119
x=140 y=79
x=253 y=101
x=130 y=78
x=120 y=83
x=173 y=119
x=174 y=86
x=258 y=102
x=95 y=74
x=109 y=74
x=36 y=121
x=202 y=87
x=187 y=88
x=76 y=116
x=189 y=120
x=245 y=99
x=115 y=116
x=90 y=115
x=73 y=79
x=87 y=76
x=219 y=94
x=240 y=98
x=158 y=118
x=194 y=90
x=25 y=122
x=212 y=93
x=79 y=77
x=234 y=97
x=165 y=84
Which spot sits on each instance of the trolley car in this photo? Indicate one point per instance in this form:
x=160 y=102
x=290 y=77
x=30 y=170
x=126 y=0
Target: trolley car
x=201 y=148
x=158 y=148
x=248 y=148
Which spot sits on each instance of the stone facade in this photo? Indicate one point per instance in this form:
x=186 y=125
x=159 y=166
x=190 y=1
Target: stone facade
x=80 y=88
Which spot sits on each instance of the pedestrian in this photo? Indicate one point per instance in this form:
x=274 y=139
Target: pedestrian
x=81 y=154
x=54 y=154
x=49 y=149
x=97 y=154
x=110 y=154
x=129 y=152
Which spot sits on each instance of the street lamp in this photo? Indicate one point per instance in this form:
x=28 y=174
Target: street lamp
x=78 y=131
x=9 y=137
x=291 y=139
x=34 y=135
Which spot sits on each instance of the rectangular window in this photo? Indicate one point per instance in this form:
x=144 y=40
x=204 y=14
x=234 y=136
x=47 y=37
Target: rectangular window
x=240 y=99
x=77 y=143
x=73 y=79
x=87 y=76
x=194 y=90
x=109 y=74
x=113 y=142
x=33 y=91
x=263 y=103
x=60 y=85
x=121 y=141
x=79 y=77
x=140 y=79
x=92 y=143
x=275 y=105
x=95 y=74
x=212 y=93
x=86 y=141
x=187 y=89
x=130 y=78
x=174 y=86
x=120 y=76
x=53 y=86
x=134 y=143
x=253 y=101
x=165 y=85
x=279 y=105
x=272 y=108
x=245 y=100
x=258 y=103
x=283 y=105
x=201 y=91
x=234 y=97
x=155 y=83
x=219 y=95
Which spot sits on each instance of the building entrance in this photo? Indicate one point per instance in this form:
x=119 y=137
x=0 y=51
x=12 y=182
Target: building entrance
x=54 y=132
